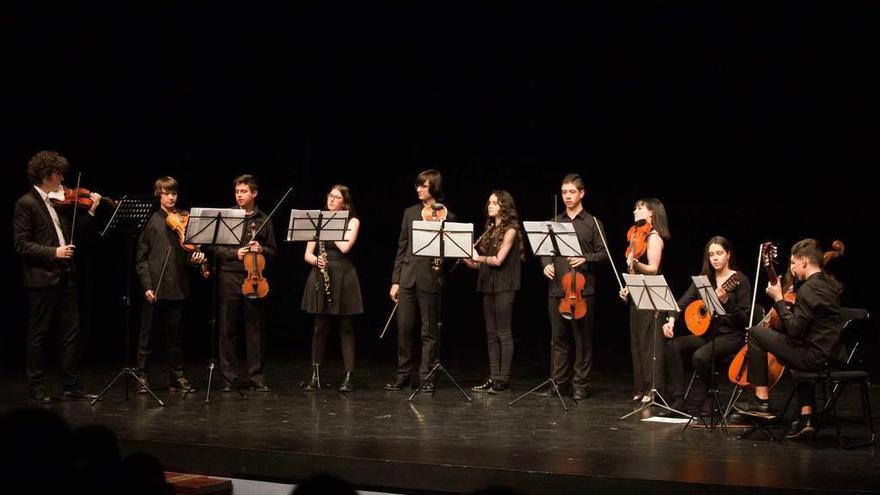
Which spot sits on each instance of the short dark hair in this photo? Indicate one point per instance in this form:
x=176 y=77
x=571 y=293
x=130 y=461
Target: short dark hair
x=435 y=182
x=44 y=164
x=248 y=180
x=164 y=184
x=574 y=179
x=810 y=249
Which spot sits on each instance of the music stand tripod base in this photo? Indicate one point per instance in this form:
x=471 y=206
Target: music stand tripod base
x=427 y=379
x=553 y=386
x=126 y=373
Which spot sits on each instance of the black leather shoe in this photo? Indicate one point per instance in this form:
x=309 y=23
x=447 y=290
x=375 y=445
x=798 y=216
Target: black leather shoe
x=428 y=387
x=346 y=386
x=260 y=387
x=580 y=393
x=564 y=389
x=314 y=384
x=499 y=387
x=39 y=395
x=398 y=383
x=754 y=406
x=78 y=394
x=484 y=387
x=142 y=389
x=801 y=427
x=181 y=384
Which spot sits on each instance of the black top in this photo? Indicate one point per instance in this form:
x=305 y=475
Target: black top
x=153 y=244
x=591 y=247
x=814 y=318
x=737 y=307
x=411 y=270
x=231 y=269
x=494 y=279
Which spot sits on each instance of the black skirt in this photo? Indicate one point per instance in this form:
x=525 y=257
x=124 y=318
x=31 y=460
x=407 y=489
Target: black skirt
x=345 y=288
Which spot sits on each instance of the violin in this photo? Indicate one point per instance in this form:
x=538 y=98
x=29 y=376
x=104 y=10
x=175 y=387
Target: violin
x=436 y=212
x=177 y=222
x=573 y=306
x=697 y=316
x=637 y=238
x=80 y=197
x=255 y=285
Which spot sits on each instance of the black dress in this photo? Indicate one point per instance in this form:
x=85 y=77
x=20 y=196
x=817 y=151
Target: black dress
x=345 y=289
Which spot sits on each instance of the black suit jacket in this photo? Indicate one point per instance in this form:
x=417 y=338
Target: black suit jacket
x=154 y=242
x=35 y=240
x=411 y=271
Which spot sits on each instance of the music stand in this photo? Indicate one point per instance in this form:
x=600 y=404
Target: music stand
x=714 y=308
x=129 y=218
x=209 y=227
x=441 y=240
x=317 y=226
x=558 y=240
x=652 y=293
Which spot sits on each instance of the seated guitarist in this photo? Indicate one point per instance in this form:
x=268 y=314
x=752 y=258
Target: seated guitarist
x=809 y=336
x=728 y=331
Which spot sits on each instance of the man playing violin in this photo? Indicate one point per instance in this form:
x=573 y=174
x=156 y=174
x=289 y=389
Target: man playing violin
x=42 y=239
x=162 y=265
x=579 y=329
x=809 y=338
x=234 y=305
x=415 y=285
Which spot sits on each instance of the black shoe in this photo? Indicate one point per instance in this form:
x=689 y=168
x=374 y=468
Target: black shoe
x=346 y=387
x=78 y=394
x=485 y=387
x=564 y=389
x=428 y=387
x=754 y=406
x=580 y=393
x=142 y=389
x=801 y=427
x=38 y=394
x=260 y=387
x=398 y=383
x=499 y=387
x=678 y=403
x=181 y=384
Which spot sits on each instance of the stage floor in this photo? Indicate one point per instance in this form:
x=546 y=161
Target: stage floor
x=378 y=440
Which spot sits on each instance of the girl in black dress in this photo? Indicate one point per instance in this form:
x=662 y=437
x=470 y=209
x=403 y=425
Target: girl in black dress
x=332 y=291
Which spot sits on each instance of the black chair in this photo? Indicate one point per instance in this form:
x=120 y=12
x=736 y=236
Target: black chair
x=838 y=378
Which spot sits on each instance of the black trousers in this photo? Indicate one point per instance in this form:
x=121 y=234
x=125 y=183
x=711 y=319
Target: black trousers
x=166 y=316
x=563 y=332
x=646 y=338
x=56 y=305
x=794 y=354
x=346 y=338
x=699 y=347
x=498 y=313
x=410 y=302
x=233 y=308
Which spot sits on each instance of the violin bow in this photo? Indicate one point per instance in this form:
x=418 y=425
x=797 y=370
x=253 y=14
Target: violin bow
x=608 y=251
x=75 y=201
x=289 y=190
x=162 y=273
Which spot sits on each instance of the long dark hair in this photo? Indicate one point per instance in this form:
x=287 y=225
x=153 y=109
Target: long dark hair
x=659 y=221
x=509 y=219
x=731 y=261
x=347 y=202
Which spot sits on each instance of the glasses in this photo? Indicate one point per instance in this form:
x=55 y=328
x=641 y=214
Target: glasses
x=334 y=196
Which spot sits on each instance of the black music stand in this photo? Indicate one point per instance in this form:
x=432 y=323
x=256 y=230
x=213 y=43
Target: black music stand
x=651 y=293
x=317 y=226
x=441 y=240
x=557 y=240
x=129 y=218
x=209 y=227
x=714 y=308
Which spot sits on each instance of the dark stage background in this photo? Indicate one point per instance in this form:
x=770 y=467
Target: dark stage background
x=757 y=124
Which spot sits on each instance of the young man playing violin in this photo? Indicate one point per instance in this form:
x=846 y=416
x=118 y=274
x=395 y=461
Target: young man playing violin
x=579 y=329
x=234 y=263
x=42 y=239
x=809 y=338
x=415 y=285
x=161 y=265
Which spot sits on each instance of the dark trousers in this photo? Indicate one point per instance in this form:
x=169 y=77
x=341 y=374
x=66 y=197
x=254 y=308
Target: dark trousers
x=646 y=338
x=53 y=305
x=166 y=316
x=411 y=301
x=794 y=354
x=699 y=347
x=562 y=333
x=346 y=338
x=498 y=312
x=253 y=311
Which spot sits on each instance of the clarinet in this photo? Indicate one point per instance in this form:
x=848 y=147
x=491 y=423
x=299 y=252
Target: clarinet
x=324 y=272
